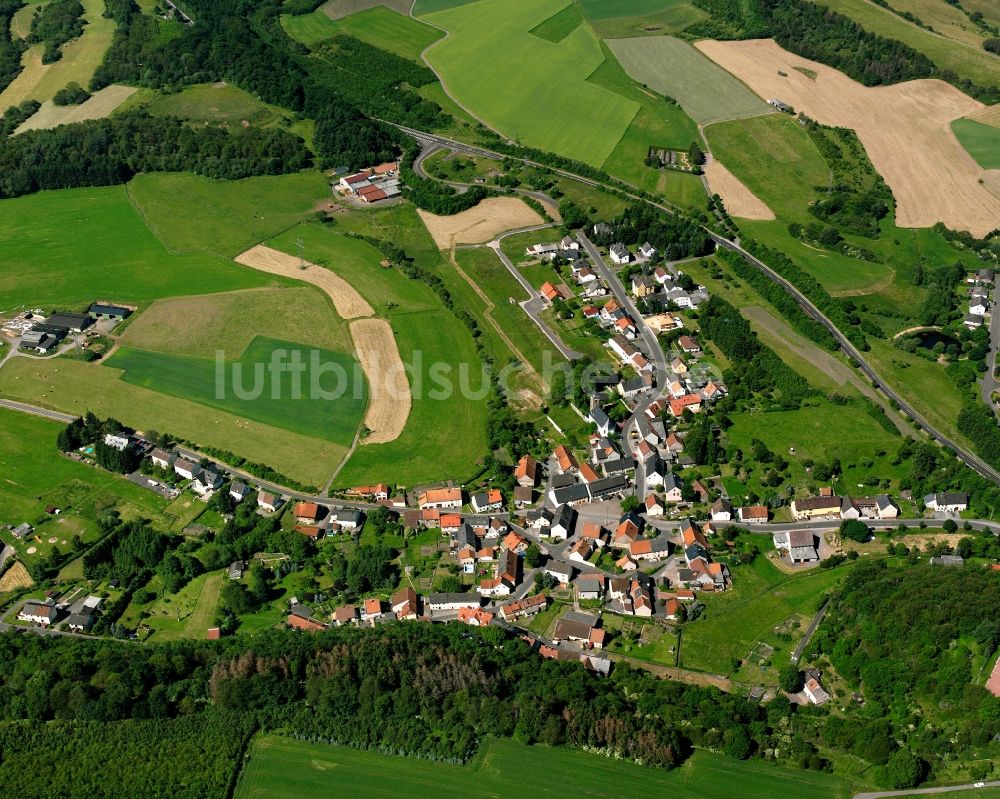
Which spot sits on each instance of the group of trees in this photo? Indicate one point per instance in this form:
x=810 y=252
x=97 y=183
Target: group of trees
x=918 y=686
x=756 y=368
x=674 y=236
x=56 y=23
x=88 y=429
x=11 y=46
x=105 y=152
x=71 y=94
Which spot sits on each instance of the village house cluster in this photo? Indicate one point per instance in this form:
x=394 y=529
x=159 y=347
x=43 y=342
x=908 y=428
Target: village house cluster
x=981 y=283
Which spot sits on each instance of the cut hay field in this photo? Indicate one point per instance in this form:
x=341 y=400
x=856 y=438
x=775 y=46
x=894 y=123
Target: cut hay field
x=379 y=26
x=74 y=387
x=481 y=223
x=335 y=9
x=904 y=129
x=281 y=766
x=965 y=60
x=190 y=213
x=533 y=90
x=101 y=104
x=674 y=68
x=67 y=248
x=80 y=59
x=739 y=200
x=987 y=116
x=944 y=18
x=200 y=325
x=981 y=141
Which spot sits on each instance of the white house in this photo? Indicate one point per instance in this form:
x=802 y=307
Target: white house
x=947 y=503
x=722 y=510
x=978 y=307
x=347 y=518
x=485 y=501
x=619 y=254
x=267 y=502
x=116 y=442
x=452 y=601
x=43 y=613
x=647 y=251
x=672 y=488
x=186 y=469
x=239 y=491
x=568 y=243
x=814 y=692
x=162 y=458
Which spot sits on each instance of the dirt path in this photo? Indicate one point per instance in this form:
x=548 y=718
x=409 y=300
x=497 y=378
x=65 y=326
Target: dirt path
x=917 y=329
x=673 y=673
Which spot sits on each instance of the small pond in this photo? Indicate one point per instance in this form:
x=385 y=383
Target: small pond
x=929 y=339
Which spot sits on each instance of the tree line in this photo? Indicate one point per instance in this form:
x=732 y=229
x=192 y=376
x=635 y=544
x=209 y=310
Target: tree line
x=56 y=23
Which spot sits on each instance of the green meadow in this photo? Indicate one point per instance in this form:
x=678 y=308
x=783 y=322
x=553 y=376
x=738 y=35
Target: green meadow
x=491 y=61
x=246 y=387
x=981 y=141
x=379 y=26
x=190 y=213
x=284 y=767
x=68 y=248
x=674 y=68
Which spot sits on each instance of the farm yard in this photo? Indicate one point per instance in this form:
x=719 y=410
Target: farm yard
x=481 y=223
x=111 y=252
x=311 y=771
x=491 y=63
x=100 y=104
x=674 y=68
x=80 y=59
x=903 y=128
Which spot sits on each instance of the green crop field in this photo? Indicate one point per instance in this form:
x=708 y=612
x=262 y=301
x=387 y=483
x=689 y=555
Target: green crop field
x=491 y=62
x=379 y=26
x=204 y=324
x=672 y=16
x=965 y=60
x=657 y=123
x=612 y=9
x=423 y=7
x=426 y=334
x=248 y=388
x=72 y=386
x=981 y=141
x=37 y=475
x=559 y=26
x=674 y=68
x=242 y=212
x=67 y=248
x=281 y=766
x=748 y=612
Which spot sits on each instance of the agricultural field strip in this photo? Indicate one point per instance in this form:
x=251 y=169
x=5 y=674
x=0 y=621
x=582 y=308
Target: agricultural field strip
x=101 y=104
x=904 y=129
x=532 y=90
x=675 y=69
x=375 y=345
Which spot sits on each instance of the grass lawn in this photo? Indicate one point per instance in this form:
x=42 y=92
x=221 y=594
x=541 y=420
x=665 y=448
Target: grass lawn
x=761 y=598
x=674 y=68
x=491 y=61
x=981 y=141
x=36 y=475
x=559 y=25
x=820 y=432
x=80 y=59
x=248 y=388
x=966 y=61
x=244 y=212
x=217 y=102
x=67 y=248
x=657 y=123
x=75 y=387
x=189 y=612
x=281 y=766
x=379 y=26
x=202 y=325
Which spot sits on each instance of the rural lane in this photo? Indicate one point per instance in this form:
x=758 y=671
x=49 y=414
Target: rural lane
x=926 y=791
x=969 y=458
x=652 y=350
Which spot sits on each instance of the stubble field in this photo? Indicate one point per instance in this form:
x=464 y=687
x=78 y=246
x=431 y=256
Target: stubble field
x=481 y=223
x=904 y=128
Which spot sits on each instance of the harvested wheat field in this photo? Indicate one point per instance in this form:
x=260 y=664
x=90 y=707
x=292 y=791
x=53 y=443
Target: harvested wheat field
x=346 y=299
x=990 y=115
x=906 y=129
x=739 y=200
x=100 y=105
x=15 y=577
x=388 y=388
x=481 y=223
